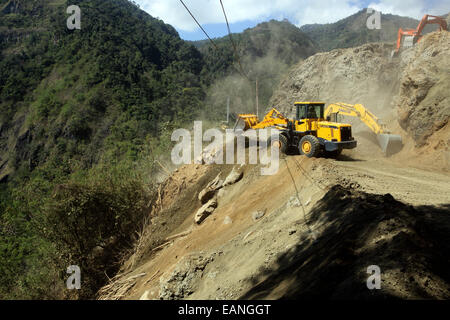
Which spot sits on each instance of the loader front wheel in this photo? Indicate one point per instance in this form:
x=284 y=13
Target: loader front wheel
x=281 y=143
x=309 y=146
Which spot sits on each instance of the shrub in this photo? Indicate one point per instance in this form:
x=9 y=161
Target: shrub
x=93 y=220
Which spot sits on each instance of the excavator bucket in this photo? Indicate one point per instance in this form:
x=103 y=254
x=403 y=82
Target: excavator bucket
x=390 y=143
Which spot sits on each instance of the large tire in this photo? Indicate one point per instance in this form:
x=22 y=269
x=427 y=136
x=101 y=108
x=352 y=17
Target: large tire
x=309 y=146
x=282 y=143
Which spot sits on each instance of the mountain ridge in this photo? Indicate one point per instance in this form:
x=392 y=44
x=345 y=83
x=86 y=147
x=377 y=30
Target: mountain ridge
x=352 y=31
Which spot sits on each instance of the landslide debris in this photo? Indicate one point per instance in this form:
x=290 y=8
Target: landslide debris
x=356 y=230
x=205 y=210
x=423 y=101
x=409 y=92
x=267 y=240
x=357 y=75
x=183 y=280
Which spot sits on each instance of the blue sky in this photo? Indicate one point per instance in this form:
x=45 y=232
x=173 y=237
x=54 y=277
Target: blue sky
x=244 y=14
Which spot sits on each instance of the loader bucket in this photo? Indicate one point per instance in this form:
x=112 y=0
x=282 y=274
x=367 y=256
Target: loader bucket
x=240 y=124
x=390 y=143
x=245 y=121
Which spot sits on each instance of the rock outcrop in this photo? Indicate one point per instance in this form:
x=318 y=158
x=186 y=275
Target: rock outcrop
x=423 y=101
x=205 y=210
x=210 y=190
x=234 y=176
x=357 y=75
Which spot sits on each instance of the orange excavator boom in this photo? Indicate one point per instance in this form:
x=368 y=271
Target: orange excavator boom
x=416 y=34
x=429 y=19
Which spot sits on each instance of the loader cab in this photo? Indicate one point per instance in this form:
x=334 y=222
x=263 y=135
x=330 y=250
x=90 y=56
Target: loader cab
x=309 y=110
x=308 y=115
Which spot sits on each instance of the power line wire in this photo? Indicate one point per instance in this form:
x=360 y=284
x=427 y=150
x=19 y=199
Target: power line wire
x=232 y=42
x=214 y=44
x=298 y=198
x=240 y=69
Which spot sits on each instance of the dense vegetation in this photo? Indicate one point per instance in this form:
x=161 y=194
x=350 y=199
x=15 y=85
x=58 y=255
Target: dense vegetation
x=84 y=114
x=80 y=112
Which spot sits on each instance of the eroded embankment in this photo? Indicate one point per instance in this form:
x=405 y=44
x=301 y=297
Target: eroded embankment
x=269 y=238
x=357 y=230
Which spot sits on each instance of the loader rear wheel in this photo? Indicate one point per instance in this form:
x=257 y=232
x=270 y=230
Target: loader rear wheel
x=309 y=146
x=281 y=143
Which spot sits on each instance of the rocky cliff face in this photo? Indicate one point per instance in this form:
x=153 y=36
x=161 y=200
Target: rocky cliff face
x=410 y=91
x=359 y=75
x=423 y=100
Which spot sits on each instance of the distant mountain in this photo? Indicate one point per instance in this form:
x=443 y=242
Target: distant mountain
x=265 y=53
x=352 y=31
x=280 y=39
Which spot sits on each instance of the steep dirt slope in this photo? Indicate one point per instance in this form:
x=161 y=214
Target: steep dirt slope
x=423 y=100
x=285 y=253
x=314 y=228
x=357 y=230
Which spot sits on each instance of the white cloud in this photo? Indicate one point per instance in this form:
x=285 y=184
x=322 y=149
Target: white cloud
x=300 y=12
x=209 y=11
x=412 y=8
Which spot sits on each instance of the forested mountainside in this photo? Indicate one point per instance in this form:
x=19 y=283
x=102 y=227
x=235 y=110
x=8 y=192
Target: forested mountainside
x=78 y=109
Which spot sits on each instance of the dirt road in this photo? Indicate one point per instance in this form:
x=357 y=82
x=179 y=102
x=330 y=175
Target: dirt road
x=407 y=184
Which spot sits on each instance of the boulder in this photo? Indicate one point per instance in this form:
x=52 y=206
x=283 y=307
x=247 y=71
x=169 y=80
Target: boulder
x=234 y=176
x=227 y=220
x=210 y=190
x=184 y=279
x=258 y=214
x=205 y=210
x=294 y=202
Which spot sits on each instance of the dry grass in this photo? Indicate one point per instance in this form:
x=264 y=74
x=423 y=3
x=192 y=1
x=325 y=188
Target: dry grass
x=118 y=287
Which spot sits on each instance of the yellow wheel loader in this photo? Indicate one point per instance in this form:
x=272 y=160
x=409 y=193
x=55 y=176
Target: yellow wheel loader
x=389 y=143
x=308 y=132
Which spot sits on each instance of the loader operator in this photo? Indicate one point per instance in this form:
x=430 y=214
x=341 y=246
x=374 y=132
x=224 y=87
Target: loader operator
x=312 y=113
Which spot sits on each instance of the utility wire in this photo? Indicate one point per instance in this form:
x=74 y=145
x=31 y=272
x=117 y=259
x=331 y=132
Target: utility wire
x=307 y=175
x=240 y=69
x=233 y=44
x=214 y=44
x=298 y=197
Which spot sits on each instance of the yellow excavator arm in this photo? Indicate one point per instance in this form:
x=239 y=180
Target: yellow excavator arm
x=389 y=143
x=359 y=111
